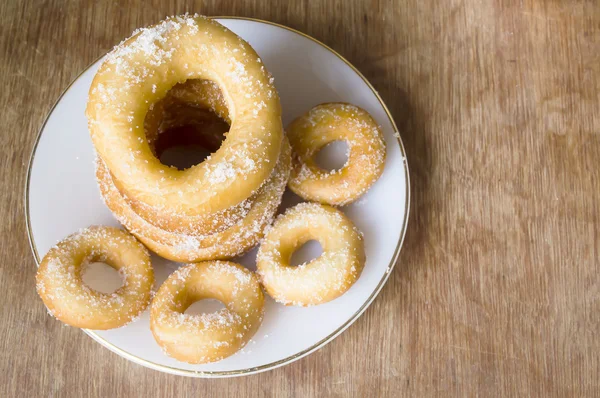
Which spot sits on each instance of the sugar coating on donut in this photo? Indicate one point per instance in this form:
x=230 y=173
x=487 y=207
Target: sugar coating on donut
x=330 y=122
x=196 y=97
x=235 y=240
x=139 y=226
x=150 y=43
x=302 y=215
x=224 y=317
x=59 y=279
x=319 y=280
x=212 y=336
x=237 y=170
x=235 y=235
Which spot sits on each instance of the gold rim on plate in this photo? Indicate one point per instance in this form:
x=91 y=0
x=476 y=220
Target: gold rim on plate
x=292 y=358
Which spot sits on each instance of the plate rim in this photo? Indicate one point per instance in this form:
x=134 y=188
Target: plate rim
x=292 y=358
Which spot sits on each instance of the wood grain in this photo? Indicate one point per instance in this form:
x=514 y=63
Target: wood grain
x=497 y=290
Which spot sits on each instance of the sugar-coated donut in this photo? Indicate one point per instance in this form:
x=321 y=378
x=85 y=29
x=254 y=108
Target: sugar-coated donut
x=233 y=241
x=322 y=279
x=326 y=123
x=207 y=337
x=70 y=300
x=194 y=103
x=140 y=71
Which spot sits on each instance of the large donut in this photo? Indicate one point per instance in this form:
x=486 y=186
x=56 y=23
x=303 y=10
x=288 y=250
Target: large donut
x=233 y=241
x=70 y=300
x=193 y=103
x=326 y=123
x=207 y=337
x=322 y=279
x=140 y=71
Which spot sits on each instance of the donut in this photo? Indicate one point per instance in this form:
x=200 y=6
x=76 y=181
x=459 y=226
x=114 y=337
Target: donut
x=326 y=123
x=233 y=241
x=195 y=103
x=207 y=337
x=139 y=72
x=322 y=279
x=71 y=301
x=191 y=113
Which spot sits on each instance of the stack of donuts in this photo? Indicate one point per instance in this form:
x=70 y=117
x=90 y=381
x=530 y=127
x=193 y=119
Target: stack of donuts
x=190 y=81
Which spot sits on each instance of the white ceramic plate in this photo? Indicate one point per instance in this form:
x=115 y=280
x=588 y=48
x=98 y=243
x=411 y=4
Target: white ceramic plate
x=62 y=197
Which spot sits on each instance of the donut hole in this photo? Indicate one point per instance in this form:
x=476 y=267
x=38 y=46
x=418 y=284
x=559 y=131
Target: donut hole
x=178 y=147
x=101 y=277
x=333 y=156
x=205 y=306
x=306 y=253
x=190 y=144
x=186 y=132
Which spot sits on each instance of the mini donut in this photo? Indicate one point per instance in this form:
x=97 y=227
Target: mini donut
x=207 y=337
x=322 y=279
x=326 y=123
x=140 y=71
x=233 y=241
x=71 y=301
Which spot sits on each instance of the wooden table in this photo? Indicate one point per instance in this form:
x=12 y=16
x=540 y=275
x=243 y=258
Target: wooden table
x=497 y=290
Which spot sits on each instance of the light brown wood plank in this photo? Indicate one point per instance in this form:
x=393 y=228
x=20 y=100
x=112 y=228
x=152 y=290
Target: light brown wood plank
x=497 y=290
